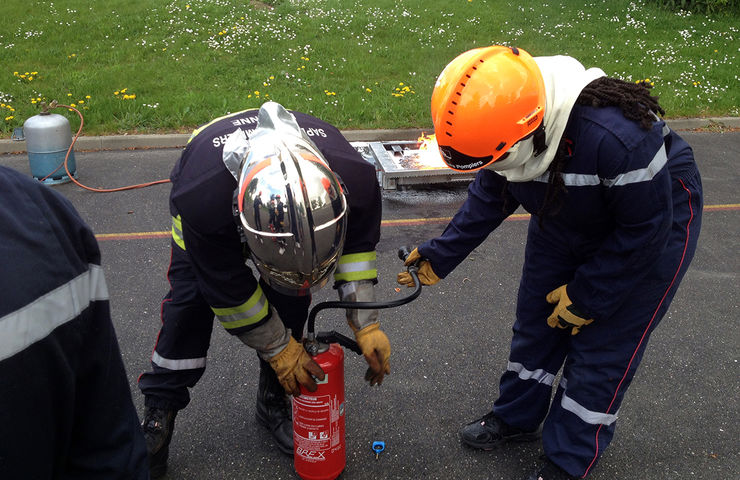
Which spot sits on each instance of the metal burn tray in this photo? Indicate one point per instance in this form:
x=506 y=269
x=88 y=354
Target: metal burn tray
x=405 y=163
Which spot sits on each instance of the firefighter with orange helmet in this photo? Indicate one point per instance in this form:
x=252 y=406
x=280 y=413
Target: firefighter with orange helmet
x=615 y=199
x=329 y=229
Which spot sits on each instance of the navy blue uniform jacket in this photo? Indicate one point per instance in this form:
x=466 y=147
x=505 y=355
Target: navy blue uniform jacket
x=616 y=215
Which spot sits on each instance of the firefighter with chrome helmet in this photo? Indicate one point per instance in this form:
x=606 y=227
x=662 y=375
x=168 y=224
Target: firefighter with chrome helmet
x=615 y=199
x=328 y=227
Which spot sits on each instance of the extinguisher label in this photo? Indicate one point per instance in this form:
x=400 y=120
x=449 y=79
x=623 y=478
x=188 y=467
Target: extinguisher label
x=317 y=428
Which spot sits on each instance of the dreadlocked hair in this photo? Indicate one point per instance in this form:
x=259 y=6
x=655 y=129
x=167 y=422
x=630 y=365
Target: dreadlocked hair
x=553 y=202
x=633 y=99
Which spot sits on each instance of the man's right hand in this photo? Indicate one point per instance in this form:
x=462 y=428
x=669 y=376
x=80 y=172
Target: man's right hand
x=295 y=367
x=426 y=273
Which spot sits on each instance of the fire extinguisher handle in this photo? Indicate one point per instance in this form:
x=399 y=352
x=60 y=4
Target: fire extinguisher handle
x=336 y=337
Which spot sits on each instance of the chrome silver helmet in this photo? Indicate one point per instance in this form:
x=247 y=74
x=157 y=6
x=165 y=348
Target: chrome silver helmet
x=290 y=203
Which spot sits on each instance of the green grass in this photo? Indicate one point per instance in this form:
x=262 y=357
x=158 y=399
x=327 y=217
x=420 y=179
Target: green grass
x=357 y=64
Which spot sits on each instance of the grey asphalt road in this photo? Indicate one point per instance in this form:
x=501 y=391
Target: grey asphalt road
x=678 y=421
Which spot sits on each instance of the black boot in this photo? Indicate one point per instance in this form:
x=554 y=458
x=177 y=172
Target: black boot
x=158 y=426
x=490 y=431
x=274 y=410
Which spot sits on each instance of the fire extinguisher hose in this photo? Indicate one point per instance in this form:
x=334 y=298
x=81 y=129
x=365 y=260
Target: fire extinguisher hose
x=334 y=336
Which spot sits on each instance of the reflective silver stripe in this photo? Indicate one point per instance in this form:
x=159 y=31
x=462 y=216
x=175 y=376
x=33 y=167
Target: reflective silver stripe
x=357 y=267
x=573 y=179
x=35 y=321
x=540 y=375
x=183 y=364
x=579 y=180
x=635 y=176
x=642 y=175
x=594 y=418
x=588 y=416
x=252 y=311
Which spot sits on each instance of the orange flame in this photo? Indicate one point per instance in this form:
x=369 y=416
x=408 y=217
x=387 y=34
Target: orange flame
x=428 y=152
x=427 y=142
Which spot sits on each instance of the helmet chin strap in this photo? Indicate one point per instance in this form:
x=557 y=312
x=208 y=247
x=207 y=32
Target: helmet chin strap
x=539 y=139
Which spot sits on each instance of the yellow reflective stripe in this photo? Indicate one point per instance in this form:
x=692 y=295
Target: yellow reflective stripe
x=202 y=127
x=249 y=312
x=357 y=266
x=177 y=232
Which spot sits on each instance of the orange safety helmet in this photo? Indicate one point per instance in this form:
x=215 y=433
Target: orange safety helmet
x=484 y=101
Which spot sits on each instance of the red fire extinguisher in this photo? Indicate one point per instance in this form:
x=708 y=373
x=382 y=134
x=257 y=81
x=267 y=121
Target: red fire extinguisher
x=318 y=420
x=319 y=417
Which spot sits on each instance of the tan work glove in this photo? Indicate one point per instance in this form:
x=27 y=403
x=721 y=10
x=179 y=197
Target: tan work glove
x=294 y=366
x=565 y=315
x=426 y=274
x=377 y=351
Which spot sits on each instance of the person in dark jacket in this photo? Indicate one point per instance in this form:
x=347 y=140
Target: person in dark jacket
x=616 y=204
x=65 y=403
x=331 y=224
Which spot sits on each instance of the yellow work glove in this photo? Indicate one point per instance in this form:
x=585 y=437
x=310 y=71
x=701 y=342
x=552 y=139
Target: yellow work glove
x=377 y=351
x=425 y=273
x=565 y=314
x=294 y=366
